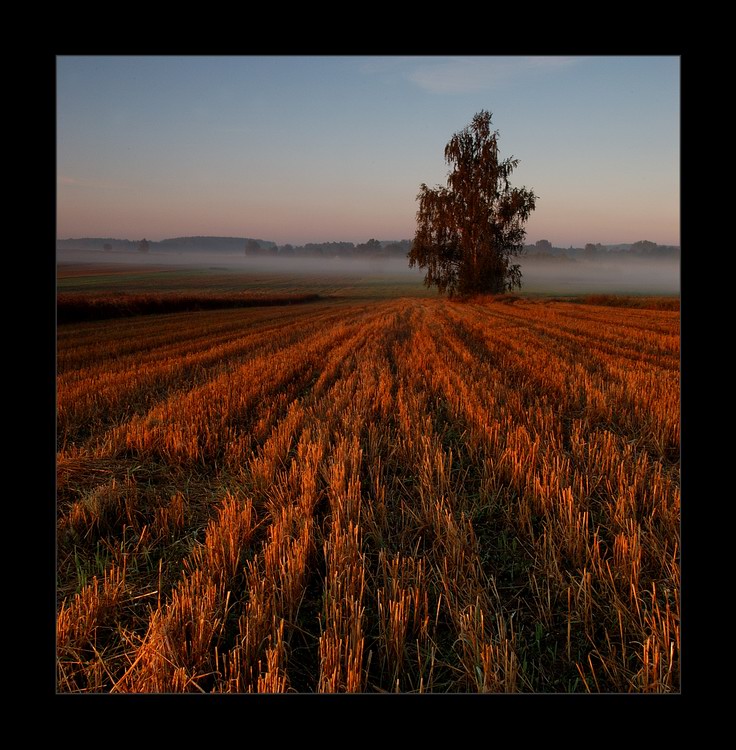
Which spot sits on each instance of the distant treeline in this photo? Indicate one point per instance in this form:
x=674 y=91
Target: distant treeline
x=644 y=248
x=249 y=246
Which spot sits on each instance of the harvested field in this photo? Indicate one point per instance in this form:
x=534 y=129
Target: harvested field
x=393 y=495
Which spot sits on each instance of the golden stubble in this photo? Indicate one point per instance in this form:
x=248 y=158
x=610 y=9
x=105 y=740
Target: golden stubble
x=401 y=496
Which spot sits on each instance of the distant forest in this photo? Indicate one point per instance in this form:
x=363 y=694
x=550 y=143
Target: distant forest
x=248 y=246
x=544 y=249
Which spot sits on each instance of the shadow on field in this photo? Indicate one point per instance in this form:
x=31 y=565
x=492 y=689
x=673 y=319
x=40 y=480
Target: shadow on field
x=71 y=308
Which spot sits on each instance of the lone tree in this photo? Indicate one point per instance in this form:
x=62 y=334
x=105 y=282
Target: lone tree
x=468 y=231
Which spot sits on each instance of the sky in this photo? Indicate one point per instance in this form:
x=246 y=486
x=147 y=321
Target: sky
x=298 y=149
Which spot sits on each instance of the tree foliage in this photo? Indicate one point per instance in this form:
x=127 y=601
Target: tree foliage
x=252 y=247
x=468 y=231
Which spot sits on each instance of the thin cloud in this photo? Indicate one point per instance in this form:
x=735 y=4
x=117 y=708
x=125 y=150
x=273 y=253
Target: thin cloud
x=470 y=74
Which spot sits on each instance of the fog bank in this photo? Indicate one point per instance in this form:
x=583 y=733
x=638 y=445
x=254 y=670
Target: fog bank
x=611 y=275
x=625 y=275
x=261 y=264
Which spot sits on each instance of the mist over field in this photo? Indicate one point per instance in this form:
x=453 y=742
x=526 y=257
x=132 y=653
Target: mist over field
x=229 y=262
x=625 y=274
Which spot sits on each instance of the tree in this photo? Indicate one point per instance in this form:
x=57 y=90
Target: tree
x=143 y=245
x=467 y=231
x=252 y=247
x=644 y=247
x=371 y=247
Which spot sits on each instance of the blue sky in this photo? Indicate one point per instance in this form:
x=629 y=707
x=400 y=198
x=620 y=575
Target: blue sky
x=326 y=148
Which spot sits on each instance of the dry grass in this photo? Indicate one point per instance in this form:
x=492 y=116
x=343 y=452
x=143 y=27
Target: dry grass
x=402 y=496
x=645 y=303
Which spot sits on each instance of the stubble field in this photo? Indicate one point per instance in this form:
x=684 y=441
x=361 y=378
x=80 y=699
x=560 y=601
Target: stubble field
x=370 y=493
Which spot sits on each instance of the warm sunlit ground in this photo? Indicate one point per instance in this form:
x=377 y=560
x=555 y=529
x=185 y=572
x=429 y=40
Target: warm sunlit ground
x=378 y=490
